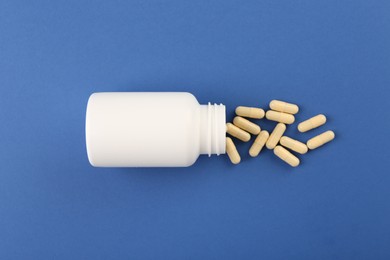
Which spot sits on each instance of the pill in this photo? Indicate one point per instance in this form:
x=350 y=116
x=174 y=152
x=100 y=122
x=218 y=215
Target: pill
x=246 y=125
x=282 y=106
x=286 y=156
x=237 y=132
x=311 y=123
x=294 y=145
x=251 y=112
x=232 y=152
x=320 y=140
x=280 y=117
x=259 y=143
x=274 y=138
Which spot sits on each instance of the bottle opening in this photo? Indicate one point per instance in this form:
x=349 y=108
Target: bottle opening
x=213 y=129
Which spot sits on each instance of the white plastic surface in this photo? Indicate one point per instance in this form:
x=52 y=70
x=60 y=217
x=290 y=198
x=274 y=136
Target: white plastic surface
x=152 y=129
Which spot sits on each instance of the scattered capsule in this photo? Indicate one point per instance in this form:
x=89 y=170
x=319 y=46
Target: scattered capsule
x=251 y=112
x=232 y=152
x=246 y=125
x=320 y=140
x=280 y=117
x=282 y=106
x=237 y=132
x=312 y=123
x=275 y=136
x=286 y=156
x=294 y=145
x=259 y=143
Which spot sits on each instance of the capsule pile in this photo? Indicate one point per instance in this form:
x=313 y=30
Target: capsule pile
x=283 y=146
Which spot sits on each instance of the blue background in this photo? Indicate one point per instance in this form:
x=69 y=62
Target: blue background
x=329 y=57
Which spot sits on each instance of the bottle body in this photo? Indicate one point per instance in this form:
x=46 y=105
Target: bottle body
x=151 y=129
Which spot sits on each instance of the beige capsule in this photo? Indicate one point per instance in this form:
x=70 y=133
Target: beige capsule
x=274 y=138
x=282 y=106
x=312 y=123
x=286 y=156
x=280 y=117
x=237 y=132
x=232 y=152
x=259 y=143
x=251 y=112
x=294 y=145
x=246 y=125
x=320 y=140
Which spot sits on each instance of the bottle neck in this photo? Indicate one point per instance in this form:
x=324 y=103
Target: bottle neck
x=212 y=129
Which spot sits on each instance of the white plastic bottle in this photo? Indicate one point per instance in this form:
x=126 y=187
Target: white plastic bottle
x=152 y=129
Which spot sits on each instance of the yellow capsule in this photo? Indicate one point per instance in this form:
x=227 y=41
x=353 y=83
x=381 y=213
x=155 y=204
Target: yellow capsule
x=280 y=117
x=237 y=132
x=286 y=156
x=259 y=143
x=312 y=123
x=294 y=145
x=251 y=112
x=232 y=152
x=282 y=106
x=320 y=140
x=274 y=138
x=246 y=125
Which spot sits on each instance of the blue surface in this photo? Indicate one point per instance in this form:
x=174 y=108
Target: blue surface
x=330 y=57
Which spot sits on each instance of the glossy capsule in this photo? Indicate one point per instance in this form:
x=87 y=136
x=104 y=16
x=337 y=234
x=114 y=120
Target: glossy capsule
x=320 y=140
x=293 y=145
x=286 y=156
x=312 y=123
x=237 y=132
x=280 y=117
x=259 y=143
x=246 y=125
x=285 y=107
x=232 y=152
x=275 y=136
x=251 y=112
